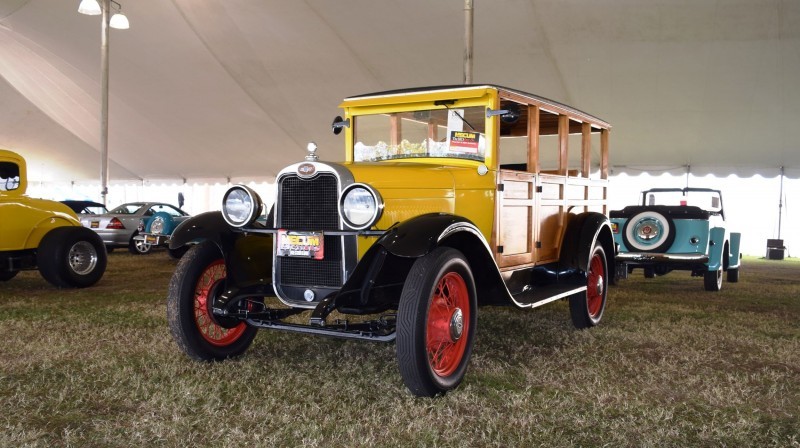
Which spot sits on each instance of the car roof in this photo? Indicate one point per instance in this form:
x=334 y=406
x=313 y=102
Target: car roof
x=531 y=96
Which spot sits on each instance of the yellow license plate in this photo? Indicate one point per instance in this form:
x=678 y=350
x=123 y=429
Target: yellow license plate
x=301 y=244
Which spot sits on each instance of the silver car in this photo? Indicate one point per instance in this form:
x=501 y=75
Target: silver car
x=118 y=227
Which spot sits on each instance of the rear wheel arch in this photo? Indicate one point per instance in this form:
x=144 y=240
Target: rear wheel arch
x=45 y=226
x=583 y=231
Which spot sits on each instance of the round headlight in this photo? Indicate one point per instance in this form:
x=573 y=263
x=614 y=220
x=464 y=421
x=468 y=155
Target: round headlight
x=360 y=207
x=241 y=206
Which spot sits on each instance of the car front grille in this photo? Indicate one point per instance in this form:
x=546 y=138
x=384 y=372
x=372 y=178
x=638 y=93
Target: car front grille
x=311 y=205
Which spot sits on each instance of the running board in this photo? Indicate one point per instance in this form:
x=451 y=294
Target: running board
x=361 y=331
x=538 y=296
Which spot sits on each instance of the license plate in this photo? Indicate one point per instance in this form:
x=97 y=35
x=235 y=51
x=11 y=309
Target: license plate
x=95 y=224
x=150 y=239
x=301 y=244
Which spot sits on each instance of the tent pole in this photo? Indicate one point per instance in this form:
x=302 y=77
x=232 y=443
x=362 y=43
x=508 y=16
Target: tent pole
x=780 y=205
x=106 y=6
x=688 y=171
x=468 y=14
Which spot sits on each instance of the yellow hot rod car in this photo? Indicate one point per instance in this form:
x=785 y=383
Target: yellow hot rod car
x=448 y=198
x=44 y=235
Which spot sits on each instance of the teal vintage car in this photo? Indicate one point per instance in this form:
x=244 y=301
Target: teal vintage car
x=677 y=229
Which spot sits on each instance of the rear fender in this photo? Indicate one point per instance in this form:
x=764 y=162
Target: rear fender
x=735 y=251
x=583 y=231
x=716 y=248
x=44 y=227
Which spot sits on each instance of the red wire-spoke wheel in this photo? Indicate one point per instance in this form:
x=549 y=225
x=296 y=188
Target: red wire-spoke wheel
x=436 y=321
x=447 y=324
x=586 y=308
x=213 y=333
x=197 y=278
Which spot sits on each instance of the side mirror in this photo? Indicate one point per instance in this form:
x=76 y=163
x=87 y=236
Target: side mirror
x=338 y=124
x=508 y=115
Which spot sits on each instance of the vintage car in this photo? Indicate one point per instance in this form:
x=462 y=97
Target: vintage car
x=448 y=198
x=42 y=234
x=677 y=229
x=120 y=226
x=156 y=230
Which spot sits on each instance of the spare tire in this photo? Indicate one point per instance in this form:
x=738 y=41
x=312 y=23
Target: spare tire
x=648 y=231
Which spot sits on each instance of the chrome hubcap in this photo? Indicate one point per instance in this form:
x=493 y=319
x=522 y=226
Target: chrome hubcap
x=600 y=286
x=456 y=324
x=82 y=257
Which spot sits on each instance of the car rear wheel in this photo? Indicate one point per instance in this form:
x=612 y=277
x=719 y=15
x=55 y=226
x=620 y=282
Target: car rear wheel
x=712 y=280
x=733 y=275
x=198 y=278
x=71 y=257
x=586 y=308
x=436 y=322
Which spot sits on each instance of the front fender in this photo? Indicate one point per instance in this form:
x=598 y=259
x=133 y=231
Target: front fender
x=205 y=226
x=248 y=257
x=419 y=235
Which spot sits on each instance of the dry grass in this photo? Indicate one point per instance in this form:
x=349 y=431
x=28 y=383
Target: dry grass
x=671 y=365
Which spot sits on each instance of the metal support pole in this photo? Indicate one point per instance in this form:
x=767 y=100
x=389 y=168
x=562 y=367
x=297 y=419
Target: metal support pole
x=780 y=206
x=468 y=13
x=106 y=6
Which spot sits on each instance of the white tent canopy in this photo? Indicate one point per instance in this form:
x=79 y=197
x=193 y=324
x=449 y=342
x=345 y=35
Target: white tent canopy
x=210 y=89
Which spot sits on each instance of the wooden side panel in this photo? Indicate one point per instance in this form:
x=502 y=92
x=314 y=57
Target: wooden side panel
x=552 y=207
x=515 y=232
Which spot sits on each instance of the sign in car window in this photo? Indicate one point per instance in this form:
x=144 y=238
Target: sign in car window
x=464 y=142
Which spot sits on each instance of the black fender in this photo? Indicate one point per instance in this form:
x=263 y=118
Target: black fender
x=379 y=277
x=583 y=230
x=205 y=226
x=248 y=257
x=421 y=234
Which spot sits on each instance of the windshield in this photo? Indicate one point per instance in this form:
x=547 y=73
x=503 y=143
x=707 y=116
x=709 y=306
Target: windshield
x=442 y=132
x=707 y=200
x=126 y=209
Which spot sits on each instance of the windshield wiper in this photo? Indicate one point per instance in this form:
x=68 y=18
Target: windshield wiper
x=445 y=103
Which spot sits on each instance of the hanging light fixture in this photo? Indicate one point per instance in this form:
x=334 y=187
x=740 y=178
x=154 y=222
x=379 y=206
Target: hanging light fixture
x=89 y=7
x=119 y=21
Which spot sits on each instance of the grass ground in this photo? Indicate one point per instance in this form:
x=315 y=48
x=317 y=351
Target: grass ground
x=670 y=365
